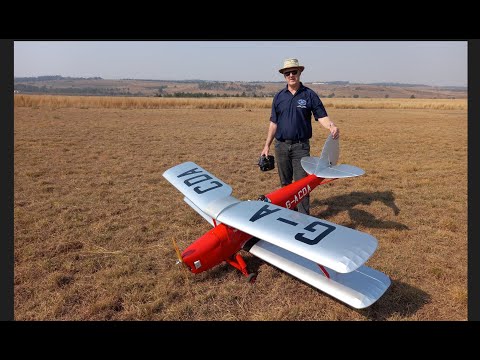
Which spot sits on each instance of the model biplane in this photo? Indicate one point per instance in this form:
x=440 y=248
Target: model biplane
x=328 y=256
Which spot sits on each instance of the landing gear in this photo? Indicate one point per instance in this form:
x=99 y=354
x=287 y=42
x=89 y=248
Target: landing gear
x=237 y=262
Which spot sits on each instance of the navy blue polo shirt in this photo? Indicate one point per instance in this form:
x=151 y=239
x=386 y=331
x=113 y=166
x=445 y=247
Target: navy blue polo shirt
x=293 y=113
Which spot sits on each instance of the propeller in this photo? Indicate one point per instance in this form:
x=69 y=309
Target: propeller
x=180 y=260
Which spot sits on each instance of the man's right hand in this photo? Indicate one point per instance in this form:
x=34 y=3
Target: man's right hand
x=265 y=151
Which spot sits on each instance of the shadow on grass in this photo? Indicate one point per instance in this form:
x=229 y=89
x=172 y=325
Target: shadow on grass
x=340 y=203
x=399 y=301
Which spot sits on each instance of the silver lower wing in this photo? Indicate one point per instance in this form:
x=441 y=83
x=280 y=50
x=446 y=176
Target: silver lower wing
x=359 y=288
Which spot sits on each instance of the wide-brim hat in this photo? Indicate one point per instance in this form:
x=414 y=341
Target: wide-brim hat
x=291 y=63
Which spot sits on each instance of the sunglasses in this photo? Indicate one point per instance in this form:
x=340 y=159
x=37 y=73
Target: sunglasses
x=293 y=72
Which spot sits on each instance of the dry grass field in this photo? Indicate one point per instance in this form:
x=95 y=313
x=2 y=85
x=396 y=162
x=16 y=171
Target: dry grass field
x=94 y=218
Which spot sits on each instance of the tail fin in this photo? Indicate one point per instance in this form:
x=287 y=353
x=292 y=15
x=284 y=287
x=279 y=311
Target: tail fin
x=326 y=166
x=331 y=150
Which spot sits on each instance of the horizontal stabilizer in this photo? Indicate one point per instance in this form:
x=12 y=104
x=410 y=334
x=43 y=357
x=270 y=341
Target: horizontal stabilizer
x=359 y=288
x=337 y=247
x=326 y=166
x=321 y=168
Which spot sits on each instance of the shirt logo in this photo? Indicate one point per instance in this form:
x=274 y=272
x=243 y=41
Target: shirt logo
x=302 y=103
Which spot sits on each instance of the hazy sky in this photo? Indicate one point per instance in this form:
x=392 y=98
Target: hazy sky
x=416 y=62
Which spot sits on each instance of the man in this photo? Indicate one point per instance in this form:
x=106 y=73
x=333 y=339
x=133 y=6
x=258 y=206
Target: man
x=291 y=126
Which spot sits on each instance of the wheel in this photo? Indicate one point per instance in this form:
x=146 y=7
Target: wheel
x=252 y=277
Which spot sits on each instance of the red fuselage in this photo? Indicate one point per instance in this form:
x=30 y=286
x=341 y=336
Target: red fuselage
x=222 y=242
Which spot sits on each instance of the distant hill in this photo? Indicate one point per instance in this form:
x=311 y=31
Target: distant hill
x=97 y=86
x=52 y=77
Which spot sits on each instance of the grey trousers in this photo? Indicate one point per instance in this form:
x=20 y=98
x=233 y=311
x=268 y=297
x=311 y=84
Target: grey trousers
x=288 y=158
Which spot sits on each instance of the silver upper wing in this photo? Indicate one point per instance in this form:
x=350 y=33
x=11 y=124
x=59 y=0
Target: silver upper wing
x=208 y=193
x=337 y=247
